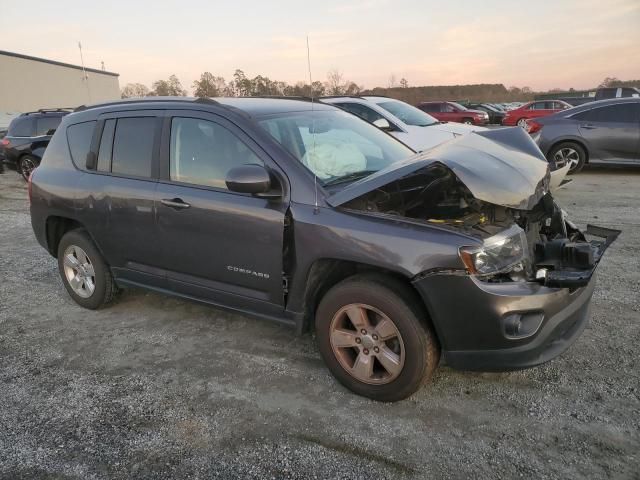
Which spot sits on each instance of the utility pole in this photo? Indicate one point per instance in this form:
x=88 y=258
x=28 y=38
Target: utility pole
x=85 y=77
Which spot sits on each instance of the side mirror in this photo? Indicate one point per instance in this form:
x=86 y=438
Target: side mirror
x=253 y=179
x=382 y=124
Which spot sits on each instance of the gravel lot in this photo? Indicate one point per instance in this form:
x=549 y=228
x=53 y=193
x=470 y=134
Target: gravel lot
x=155 y=387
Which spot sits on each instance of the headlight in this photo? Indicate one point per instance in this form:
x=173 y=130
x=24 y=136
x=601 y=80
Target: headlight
x=498 y=254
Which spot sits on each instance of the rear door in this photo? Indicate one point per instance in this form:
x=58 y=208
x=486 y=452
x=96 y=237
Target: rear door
x=612 y=132
x=118 y=200
x=539 y=109
x=217 y=244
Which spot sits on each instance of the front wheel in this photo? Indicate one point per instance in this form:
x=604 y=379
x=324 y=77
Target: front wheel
x=522 y=123
x=568 y=153
x=84 y=273
x=467 y=121
x=373 y=336
x=26 y=165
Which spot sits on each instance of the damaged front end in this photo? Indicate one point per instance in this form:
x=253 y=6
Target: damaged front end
x=494 y=187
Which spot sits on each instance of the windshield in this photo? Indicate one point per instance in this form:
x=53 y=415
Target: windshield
x=408 y=114
x=335 y=146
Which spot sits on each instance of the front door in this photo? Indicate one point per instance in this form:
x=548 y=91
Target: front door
x=219 y=245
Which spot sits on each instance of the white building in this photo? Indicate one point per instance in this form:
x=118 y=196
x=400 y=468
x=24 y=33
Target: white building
x=30 y=83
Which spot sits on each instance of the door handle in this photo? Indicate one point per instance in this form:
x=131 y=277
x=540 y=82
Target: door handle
x=588 y=126
x=176 y=203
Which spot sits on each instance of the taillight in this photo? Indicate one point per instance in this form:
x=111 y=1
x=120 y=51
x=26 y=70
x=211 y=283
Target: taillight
x=533 y=126
x=5 y=142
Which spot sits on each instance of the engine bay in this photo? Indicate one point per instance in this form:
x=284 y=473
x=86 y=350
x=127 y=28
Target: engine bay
x=559 y=253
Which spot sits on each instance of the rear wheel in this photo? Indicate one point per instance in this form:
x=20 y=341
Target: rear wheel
x=26 y=165
x=568 y=153
x=374 y=338
x=84 y=273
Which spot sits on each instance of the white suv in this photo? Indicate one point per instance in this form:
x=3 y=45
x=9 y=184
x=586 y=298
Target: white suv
x=412 y=126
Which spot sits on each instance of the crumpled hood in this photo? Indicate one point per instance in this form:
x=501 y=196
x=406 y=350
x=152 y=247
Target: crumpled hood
x=503 y=166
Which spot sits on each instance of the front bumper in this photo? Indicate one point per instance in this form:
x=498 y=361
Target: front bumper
x=472 y=318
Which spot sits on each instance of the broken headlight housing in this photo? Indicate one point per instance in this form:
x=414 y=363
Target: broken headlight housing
x=502 y=253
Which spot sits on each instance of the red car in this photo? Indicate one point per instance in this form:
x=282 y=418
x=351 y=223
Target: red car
x=537 y=109
x=454 y=112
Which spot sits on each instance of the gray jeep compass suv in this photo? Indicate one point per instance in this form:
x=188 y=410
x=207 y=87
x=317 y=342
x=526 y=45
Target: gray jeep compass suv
x=304 y=214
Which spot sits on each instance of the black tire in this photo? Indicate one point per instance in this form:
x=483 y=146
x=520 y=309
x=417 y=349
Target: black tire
x=26 y=164
x=399 y=304
x=521 y=123
x=105 y=287
x=468 y=121
x=582 y=155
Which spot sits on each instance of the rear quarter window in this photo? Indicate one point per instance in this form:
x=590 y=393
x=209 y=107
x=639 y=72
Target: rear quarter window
x=79 y=138
x=22 y=127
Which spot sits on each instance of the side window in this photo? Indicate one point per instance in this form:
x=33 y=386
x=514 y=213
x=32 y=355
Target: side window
x=361 y=111
x=21 y=127
x=430 y=107
x=445 y=107
x=202 y=152
x=621 y=113
x=133 y=146
x=79 y=140
x=44 y=125
x=605 y=93
x=106 y=146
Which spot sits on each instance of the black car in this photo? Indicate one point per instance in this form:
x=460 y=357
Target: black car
x=495 y=114
x=605 y=131
x=27 y=138
x=301 y=213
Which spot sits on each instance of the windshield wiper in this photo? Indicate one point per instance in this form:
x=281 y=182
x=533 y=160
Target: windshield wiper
x=353 y=176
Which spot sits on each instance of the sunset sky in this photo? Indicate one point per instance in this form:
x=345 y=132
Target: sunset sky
x=543 y=44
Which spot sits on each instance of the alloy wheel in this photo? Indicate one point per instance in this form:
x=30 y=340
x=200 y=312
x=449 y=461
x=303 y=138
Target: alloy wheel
x=27 y=166
x=79 y=271
x=567 y=156
x=522 y=123
x=367 y=344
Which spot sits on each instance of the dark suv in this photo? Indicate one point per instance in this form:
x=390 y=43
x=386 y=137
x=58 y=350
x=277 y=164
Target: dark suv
x=28 y=137
x=304 y=214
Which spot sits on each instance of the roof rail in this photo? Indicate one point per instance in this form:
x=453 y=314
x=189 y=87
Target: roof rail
x=126 y=101
x=49 y=110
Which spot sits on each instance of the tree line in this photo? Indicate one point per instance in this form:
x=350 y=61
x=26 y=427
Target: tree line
x=240 y=85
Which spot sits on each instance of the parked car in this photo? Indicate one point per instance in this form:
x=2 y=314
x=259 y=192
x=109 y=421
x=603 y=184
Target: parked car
x=495 y=114
x=27 y=138
x=605 y=93
x=537 y=109
x=606 y=131
x=304 y=214
x=405 y=122
x=454 y=112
